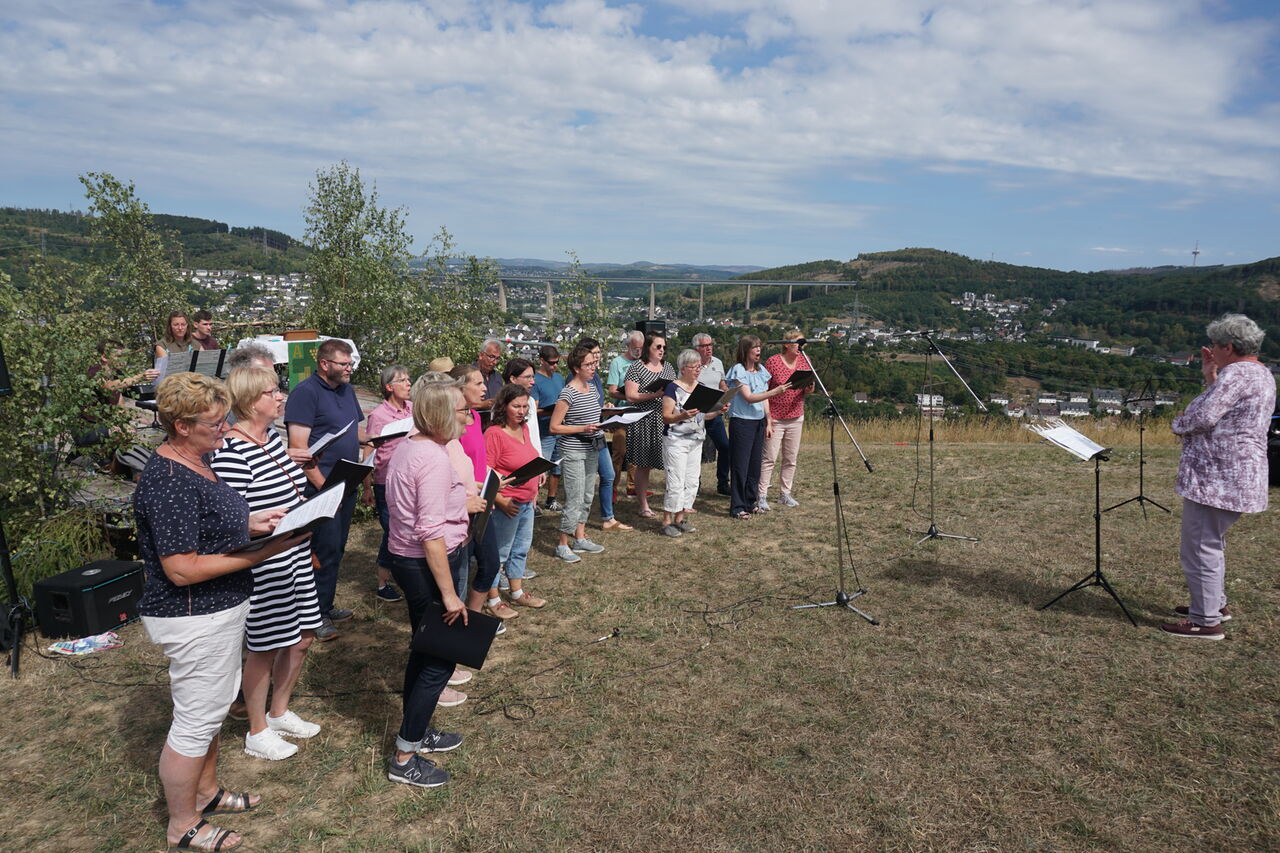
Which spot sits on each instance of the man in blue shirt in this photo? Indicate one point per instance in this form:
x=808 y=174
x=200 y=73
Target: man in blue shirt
x=547 y=385
x=323 y=403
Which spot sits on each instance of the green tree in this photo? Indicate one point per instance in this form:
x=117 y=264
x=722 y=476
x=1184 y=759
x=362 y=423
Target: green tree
x=131 y=273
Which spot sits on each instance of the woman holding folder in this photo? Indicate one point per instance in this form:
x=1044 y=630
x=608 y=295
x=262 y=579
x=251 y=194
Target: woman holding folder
x=682 y=445
x=284 y=612
x=576 y=420
x=749 y=425
x=644 y=389
x=508 y=446
x=787 y=414
x=195 y=597
x=427 y=503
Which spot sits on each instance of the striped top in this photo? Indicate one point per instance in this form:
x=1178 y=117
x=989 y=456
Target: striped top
x=584 y=408
x=265 y=475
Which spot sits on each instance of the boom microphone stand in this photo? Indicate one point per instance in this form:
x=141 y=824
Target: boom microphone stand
x=933 y=532
x=843 y=549
x=1144 y=396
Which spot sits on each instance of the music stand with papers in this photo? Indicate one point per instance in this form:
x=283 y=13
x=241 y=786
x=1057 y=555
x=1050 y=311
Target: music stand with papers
x=1059 y=434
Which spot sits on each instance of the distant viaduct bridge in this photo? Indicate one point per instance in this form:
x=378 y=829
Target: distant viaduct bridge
x=654 y=282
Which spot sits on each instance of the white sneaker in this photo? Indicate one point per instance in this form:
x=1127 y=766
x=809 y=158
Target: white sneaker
x=269 y=745
x=762 y=505
x=292 y=725
x=787 y=500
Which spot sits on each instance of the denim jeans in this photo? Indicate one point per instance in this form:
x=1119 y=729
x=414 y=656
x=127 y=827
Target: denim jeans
x=425 y=676
x=720 y=438
x=746 y=449
x=514 y=535
x=607 y=477
x=549 y=450
x=485 y=553
x=384 y=518
x=578 y=471
x=329 y=543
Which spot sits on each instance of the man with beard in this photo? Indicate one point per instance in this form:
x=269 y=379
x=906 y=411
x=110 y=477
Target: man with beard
x=323 y=403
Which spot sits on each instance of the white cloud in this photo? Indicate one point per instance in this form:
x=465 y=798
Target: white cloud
x=488 y=104
x=1111 y=250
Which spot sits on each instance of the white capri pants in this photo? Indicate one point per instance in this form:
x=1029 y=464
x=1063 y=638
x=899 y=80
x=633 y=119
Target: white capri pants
x=204 y=672
x=682 y=461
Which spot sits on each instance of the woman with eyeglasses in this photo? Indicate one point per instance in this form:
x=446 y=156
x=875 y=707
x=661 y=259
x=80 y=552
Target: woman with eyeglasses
x=195 y=597
x=750 y=425
x=284 y=612
x=395 y=384
x=576 y=420
x=644 y=437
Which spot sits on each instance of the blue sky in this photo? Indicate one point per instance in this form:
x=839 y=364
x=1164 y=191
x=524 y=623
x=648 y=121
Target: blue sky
x=1056 y=133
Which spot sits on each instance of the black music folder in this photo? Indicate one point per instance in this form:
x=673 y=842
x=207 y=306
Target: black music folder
x=457 y=643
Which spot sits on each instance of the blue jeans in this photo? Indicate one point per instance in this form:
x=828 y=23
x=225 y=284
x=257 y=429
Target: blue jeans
x=384 y=518
x=329 y=543
x=746 y=446
x=514 y=535
x=485 y=553
x=720 y=438
x=549 y=449
x=425 y=676
x=607 y=477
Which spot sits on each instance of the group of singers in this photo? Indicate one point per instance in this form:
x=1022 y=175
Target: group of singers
x=214 y=484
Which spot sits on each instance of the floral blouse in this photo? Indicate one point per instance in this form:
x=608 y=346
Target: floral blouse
x=1224 y=440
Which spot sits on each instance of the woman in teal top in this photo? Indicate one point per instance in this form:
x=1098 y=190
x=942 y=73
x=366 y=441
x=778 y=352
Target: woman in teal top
x=749 y=425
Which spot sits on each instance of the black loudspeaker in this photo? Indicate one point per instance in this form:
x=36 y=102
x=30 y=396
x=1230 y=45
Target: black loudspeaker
x=89 y=600
x=652 y=327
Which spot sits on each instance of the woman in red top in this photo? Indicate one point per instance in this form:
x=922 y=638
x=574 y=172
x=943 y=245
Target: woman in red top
x=787 y=413
x=507 y=447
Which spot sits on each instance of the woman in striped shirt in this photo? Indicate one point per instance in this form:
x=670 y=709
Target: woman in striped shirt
x=283 y=609
x=576 y=420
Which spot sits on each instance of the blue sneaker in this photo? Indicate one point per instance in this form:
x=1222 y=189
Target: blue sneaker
x=586 y=546
x=417 y=771
x=388 y=592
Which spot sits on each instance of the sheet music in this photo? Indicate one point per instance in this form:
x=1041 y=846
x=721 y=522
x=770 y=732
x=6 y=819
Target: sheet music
x=624 y=420
x=402 y=426
x=162 y=365
x=207 y=362
x=328 y=439
x=1076 y=443
x=323 y=505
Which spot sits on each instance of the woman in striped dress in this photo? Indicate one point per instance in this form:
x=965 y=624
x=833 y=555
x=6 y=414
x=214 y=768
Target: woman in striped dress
x=283 y=610
x=644 y=437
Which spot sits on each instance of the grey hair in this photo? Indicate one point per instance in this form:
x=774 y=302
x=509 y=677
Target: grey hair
x=246 y=354
x=632 y=336
x=701 y=338
x=432 y=377
x=686 y=358
x=491 y=342
x=1238 y=331
x=388 y=375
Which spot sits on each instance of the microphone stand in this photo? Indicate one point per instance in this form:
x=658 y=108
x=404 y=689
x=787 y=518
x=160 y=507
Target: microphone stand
x=1146 y=395
x=843 y=549
x=933 y=532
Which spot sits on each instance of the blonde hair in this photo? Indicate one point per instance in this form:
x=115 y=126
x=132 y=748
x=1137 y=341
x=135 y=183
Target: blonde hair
x=792 y=335
x=244 y=384
x=187 y=396
x=434 y=411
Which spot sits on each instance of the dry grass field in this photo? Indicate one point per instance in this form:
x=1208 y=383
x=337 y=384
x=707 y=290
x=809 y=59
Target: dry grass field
x=714 y=718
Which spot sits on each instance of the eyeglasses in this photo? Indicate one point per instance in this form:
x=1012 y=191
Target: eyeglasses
x=703 y=346
x=217 y=425
x=272 y=391
x=344 y=365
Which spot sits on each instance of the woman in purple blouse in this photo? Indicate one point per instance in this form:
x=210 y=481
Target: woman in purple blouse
x=1223 y=471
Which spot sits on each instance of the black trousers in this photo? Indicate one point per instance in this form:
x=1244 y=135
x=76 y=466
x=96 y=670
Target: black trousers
x=746 y=451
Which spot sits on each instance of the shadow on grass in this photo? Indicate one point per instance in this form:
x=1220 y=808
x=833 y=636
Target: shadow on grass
x=1017 y=588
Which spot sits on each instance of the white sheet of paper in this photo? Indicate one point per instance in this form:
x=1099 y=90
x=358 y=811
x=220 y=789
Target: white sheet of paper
x=624 y=420
x=162 y=364
x=323 y=505
x=1074 y=442
x=404 y=425
x=328 y=439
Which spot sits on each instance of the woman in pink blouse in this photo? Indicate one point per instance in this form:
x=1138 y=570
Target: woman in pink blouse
x=786 y=413
x=509 y=446
x=395 y=384
x=1223 y=470
x=427 y=538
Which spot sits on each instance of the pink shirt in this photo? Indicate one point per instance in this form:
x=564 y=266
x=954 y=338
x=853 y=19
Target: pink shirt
x=788 y=404
x=1224 y=440
x=385 y=413
x=473 y=442
x=506 y=454
x=426 y=498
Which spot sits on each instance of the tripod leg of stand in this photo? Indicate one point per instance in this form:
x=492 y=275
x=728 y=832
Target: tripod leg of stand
x=1102 y=580
x=1087 y=580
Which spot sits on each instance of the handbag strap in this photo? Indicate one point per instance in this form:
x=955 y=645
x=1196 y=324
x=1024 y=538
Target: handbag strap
x=274 y=461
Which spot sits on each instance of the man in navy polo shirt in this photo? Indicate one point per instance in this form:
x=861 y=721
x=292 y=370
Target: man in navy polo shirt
x=323 y=403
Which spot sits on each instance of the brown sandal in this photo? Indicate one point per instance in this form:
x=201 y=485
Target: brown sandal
x=614 y=524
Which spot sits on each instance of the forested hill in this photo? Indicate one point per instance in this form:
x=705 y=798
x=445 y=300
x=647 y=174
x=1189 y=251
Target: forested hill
x=1164 y=309
x=205 y=243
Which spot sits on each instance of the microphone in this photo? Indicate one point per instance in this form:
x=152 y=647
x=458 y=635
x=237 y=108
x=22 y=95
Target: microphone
x=799 y=341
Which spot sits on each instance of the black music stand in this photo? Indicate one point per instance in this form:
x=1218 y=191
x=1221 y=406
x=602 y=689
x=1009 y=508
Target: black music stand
x=1144 y=396
x=1059 y=435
